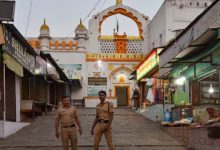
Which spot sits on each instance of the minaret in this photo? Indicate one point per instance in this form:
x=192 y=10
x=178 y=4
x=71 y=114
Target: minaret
x=44 y=36
x=118 y=2
x=81 y=35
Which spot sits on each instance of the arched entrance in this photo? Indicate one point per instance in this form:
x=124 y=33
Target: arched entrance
x=121 y=85
x=122 y=93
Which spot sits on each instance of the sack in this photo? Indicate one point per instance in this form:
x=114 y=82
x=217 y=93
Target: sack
x=135 y=96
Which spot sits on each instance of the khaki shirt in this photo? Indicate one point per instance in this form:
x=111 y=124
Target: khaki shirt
x=67 y=115
x=103 y=110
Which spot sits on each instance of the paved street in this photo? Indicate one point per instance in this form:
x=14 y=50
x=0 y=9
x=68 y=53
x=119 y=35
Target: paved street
x=130 y=132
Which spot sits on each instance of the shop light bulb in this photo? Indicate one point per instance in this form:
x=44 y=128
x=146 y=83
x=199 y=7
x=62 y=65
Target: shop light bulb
x=211 y=90
x=180 y=81
x=183 y=79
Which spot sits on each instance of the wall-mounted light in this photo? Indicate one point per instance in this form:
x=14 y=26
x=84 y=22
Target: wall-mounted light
x=99 y=62
x=211 y=90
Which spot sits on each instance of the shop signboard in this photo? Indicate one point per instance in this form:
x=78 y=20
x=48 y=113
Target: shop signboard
x=202 y=67
x=96 y=84
x=72 y=71
x=18 y=51
x=178 y=69
x=150 y=63
x=190 y=71
x=97 y=81
x=41 y=66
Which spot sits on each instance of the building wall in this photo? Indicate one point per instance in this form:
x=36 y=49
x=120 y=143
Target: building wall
x=170 y=18
x=18 y=97
x=74 y=58
x=112 y=71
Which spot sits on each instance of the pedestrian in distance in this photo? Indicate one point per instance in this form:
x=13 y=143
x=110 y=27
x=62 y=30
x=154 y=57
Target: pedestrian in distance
x=66 y=120
x=102 y=122
x=136 y=97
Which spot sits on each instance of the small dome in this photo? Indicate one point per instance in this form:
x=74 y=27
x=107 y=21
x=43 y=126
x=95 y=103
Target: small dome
x=44 y=26
x=80 y=26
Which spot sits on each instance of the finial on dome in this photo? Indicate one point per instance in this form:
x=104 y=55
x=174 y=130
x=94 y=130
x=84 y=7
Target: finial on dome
x=118 y=2
x=44 y=26
x=80 y=26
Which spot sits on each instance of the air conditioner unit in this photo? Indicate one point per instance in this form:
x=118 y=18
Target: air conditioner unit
x=7 y=9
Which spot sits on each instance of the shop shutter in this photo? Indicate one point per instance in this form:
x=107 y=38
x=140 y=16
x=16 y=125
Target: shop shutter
x=10 y=95
x=1 y=90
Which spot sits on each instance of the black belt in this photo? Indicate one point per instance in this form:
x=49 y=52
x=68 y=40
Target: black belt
x=70 y=126
x=102 y=121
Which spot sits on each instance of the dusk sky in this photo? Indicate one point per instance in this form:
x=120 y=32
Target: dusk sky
x=63 y=16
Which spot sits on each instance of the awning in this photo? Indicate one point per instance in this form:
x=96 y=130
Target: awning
x=76 y=83
x=62 y=75
x=195 y=48
x=2 y=39
x=13 y=65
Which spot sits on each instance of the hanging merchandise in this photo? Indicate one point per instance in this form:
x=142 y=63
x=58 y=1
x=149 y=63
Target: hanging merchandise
x=150 y=94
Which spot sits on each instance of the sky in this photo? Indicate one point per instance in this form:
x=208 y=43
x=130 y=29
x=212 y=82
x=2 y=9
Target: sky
x=63 y=16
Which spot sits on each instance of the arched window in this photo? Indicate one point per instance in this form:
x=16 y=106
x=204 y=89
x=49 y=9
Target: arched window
x=119 y=24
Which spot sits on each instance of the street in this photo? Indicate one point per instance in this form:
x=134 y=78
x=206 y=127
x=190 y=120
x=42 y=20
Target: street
x=130 y=132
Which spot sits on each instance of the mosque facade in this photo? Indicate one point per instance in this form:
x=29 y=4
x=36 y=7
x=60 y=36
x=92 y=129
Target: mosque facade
x=100 y=62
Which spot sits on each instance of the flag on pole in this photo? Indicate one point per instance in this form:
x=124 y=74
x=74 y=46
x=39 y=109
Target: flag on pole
x=117 y=25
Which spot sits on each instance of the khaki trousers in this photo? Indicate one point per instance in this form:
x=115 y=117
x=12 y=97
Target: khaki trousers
x=101 y=128
x=69 y=134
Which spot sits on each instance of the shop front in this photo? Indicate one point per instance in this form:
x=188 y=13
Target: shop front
x=59 y=84
x=17 y=64
x=193 y=62
x=147 y=77
x=153 y=89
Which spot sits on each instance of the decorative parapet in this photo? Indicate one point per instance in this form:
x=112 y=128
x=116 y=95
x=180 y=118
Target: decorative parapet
x=34 y=43
x=55 y=44
x=110 y=37
x=113 y=57
x=63 y=45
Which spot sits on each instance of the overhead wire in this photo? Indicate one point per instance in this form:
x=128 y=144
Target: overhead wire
x=29 y=14
x=93 y=9
x=88 y=15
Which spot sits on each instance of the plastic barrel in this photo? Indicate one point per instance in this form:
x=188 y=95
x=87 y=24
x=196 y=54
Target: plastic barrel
x=167 y=116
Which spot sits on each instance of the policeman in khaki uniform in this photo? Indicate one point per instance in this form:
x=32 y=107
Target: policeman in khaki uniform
x=66 y=120
x=102 y=122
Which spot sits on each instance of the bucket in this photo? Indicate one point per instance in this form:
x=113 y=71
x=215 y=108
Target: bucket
x=167 y=116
